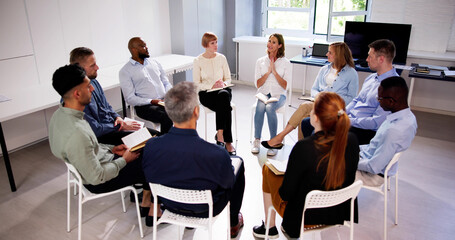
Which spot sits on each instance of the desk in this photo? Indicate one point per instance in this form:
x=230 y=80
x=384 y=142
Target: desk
x=414 y=75
x=38 y=97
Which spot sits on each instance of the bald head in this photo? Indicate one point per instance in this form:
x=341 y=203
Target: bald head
x=138 y=49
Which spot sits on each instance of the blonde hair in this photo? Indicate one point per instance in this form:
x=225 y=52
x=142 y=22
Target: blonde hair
x=343 y=55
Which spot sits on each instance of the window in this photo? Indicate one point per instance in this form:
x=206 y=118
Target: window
x=312 y=18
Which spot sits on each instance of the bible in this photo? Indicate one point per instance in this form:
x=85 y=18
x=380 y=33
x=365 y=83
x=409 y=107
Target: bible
x=264 y=98
x=137 y=139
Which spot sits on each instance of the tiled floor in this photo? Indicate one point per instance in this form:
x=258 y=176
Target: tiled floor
x=426 y=191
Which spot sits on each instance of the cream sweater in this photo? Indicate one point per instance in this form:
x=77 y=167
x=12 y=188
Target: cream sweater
x=206 y=71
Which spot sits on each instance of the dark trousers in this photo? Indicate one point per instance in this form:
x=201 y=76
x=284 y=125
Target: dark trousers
x=131 y=174
x=155 y=114
x=220 y=103
x=364 y=136
x=115 y=138
x=235 y=196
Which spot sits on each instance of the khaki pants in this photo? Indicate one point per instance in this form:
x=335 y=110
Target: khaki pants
x=301 y=113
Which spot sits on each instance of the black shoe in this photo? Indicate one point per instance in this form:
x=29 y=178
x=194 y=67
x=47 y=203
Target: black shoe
x=149 y=220
x=144 y=211
x=139 y=197
x=266 y=145
x=259 y=231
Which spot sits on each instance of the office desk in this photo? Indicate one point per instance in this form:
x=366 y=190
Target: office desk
x=30 y=99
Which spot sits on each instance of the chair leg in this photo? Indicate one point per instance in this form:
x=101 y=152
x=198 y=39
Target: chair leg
x=385 y=209
x=228 y=213
x=136 y=200
x=79 y=217
x=68 y=203
x=396 y=198
x=122 y=194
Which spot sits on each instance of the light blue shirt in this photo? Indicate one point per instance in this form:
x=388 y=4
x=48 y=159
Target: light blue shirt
x=395 y=135
x=141 y=83
x=346 y=83
x=364 y=110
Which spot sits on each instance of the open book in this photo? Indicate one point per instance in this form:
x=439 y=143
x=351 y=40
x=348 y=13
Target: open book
x=137 y=139
x=264 y=98
x=216 y=89
x=278 y=167
x=161 y=103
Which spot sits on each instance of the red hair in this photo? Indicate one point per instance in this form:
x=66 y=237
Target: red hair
x=329 y=107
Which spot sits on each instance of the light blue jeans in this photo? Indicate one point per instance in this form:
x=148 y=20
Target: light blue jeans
x=270 y=109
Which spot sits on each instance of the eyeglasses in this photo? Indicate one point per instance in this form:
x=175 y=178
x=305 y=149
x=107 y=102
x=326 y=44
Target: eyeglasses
x=382 y=98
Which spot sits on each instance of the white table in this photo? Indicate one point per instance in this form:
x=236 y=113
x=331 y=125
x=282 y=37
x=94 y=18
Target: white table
x=30 y=99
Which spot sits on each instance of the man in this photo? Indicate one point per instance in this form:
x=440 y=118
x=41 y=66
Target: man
x=394 y=135
x=364 y=111
x=195 y=163
x=103 y=168
x=144 y=84
x=107 y=125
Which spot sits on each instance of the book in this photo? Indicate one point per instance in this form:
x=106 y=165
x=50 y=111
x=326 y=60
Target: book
x=161 y=103
x=216 y=89
x=277 y=167
x=311 y=99
x=236 y=162
x=264 y=98
x=137 y=139
x=127 y=119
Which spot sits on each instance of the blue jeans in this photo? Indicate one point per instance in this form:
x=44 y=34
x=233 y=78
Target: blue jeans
x=270 y=109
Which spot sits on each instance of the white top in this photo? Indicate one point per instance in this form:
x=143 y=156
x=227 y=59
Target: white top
x=283 y=67
x=330 y=78
x=206 y=71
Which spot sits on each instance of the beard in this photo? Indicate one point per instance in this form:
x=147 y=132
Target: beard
x=143 y=55
x=92 y=76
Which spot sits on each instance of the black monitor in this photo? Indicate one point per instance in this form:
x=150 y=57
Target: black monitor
x=358 y=35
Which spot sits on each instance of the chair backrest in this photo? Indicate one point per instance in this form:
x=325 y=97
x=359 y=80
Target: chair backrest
x=392 y=162
x=77 y=179
x=182 y=195
x=323 y=199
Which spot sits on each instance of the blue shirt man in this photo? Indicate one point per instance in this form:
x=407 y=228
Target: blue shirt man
x=107 y=125
x=394 y=135
x=144 y=84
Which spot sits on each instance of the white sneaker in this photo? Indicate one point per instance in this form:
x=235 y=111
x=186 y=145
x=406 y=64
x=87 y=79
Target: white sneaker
x=256 y=145
x=272 y=152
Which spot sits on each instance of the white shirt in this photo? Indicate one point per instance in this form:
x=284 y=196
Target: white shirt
x=330 y=78
x=206 y=71
x=282 y=66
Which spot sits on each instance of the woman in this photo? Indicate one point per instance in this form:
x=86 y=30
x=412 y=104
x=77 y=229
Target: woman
x=339 y=76
x=211 y=71
x=272 y=74
x=326 y=160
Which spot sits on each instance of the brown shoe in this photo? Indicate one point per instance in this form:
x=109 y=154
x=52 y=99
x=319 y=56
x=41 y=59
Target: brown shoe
x=236 y=229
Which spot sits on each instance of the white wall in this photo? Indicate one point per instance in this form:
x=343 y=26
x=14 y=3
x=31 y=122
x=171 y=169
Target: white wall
x=37 y=37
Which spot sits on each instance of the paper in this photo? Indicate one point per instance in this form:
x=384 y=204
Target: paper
x=277 y=167
x=4 y=98
x=161 y=103
x=127 y=119
x=449 y=73
x=311 y=99
x=434 y=67
x=136 y=140
x=216 y=89
x=264 y=98
x=236 y=162
x=403 y=67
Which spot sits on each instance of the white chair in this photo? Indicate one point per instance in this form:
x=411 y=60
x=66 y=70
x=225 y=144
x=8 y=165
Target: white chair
x=187 y=197
x=382 y=190
x=324 y=199
x=281 y=110
x=85 y=196
x=207 y=111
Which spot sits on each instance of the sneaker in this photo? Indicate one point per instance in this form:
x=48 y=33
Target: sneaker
x=259 y=231
x=272 y=152
x=256 y=145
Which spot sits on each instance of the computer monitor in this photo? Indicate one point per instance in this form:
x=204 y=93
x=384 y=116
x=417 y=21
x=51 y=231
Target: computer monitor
x=358 y=35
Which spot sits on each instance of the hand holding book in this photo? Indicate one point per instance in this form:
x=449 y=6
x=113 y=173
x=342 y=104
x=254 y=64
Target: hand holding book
x=265 y=99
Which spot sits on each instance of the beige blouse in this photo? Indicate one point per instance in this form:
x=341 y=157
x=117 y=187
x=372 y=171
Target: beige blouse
x=206 y=71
